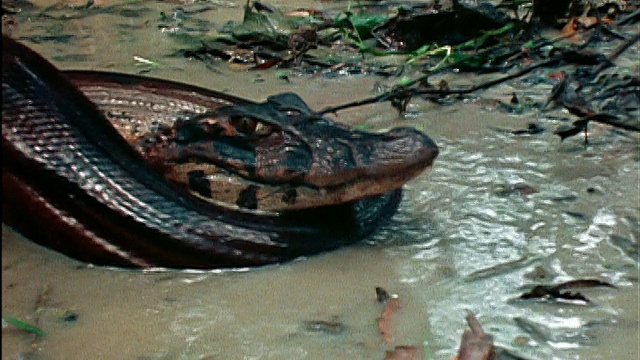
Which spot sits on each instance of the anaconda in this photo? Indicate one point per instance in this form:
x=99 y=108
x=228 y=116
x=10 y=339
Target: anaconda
x=129 y=171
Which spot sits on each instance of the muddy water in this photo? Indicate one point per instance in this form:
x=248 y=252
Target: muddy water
x=461 y=241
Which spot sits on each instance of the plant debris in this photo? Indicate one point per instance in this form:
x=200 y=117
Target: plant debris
x=475 y=343
x=555 y=293
x=404 y=352
x=391 y=306
x=331 y=327
x=449 y=36
x=519 y=188
x=382 y=295
x=411 y=29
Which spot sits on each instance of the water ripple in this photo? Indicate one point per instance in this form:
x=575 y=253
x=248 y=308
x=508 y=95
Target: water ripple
x=470 y=223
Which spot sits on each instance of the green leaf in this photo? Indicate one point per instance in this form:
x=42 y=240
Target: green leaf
x=282 y=75
x=363 y=24
x=23 y=325
x=405 y=80
x=364 y=127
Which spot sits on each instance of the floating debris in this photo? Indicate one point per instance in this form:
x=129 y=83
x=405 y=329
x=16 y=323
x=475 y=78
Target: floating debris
x=555 y=293
x=331 y=327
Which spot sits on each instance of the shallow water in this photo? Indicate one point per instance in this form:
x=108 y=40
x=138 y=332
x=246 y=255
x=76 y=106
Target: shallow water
x=461 y=241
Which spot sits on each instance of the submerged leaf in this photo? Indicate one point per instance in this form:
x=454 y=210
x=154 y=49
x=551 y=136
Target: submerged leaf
x=555 y=293
x=404 y=352
x=542 y=292
x=330 y=327
x=23 y=325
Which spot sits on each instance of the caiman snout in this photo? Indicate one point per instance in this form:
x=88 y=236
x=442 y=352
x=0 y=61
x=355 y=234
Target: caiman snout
x=403 y=147
x=378 y=161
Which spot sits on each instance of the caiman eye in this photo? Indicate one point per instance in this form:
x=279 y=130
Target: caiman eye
x=244 y=124
x=292 y=112
x=263 y=129
x=249 y=126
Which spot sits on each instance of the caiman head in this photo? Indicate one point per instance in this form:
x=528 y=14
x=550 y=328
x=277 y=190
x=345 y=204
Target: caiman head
x=281 y=155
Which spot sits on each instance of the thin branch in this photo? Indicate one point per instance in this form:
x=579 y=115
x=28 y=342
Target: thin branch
x=404 y=91
x=620 y=49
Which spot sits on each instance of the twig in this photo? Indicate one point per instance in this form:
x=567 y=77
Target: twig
x=620 y=49
x=628 y=18
x=491 y=83
x=42 y=299
x=404 y=91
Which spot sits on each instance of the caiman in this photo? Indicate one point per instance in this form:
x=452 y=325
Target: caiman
x=129 y=171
